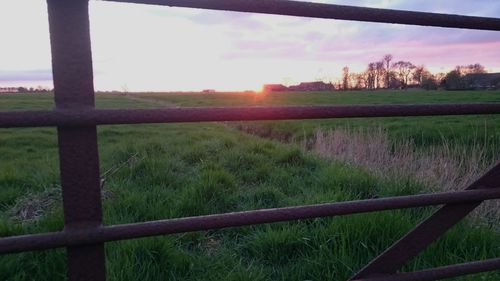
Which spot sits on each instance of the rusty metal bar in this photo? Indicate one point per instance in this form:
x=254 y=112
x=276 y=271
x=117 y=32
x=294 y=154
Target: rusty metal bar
x=428 y=231
x=331 y=11
x=76 y=237
x=442 y=272
x=91 y=117
x=78 y=153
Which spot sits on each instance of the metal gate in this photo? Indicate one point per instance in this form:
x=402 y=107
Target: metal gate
x=76 y=120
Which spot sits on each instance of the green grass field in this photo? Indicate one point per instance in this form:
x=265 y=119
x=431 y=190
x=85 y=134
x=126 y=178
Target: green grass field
x=177 y=170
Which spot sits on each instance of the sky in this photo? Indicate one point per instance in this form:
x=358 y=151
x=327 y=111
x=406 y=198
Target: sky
x=153 y=48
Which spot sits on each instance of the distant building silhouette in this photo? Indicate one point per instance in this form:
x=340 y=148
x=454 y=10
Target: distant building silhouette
x=274 y=88
x=482 y=81
x=9 y=90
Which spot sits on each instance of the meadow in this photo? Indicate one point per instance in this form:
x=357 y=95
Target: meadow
x=174 y=170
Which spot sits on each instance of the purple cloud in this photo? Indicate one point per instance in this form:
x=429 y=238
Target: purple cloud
x=239 y=20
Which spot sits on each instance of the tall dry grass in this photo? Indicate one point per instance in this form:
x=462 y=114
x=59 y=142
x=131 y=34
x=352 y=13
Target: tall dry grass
x=442 y=167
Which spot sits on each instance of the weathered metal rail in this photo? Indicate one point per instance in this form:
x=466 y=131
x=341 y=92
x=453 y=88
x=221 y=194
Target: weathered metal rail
x=76 y=119
x=92 y=117
x=78 y=237
x=441 y=272
x=331 y=11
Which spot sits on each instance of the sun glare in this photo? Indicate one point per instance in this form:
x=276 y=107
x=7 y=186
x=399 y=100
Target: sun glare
x=258 y=91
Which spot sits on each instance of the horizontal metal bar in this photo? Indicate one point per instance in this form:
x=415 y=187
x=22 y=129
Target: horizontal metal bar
x=331 y=11
x=82 y=236
x=441 y=272
x=91 y=117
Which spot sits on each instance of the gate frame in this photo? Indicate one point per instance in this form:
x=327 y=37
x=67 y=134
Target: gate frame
x=77 y=119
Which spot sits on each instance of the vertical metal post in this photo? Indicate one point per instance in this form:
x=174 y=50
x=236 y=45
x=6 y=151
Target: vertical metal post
x=78 y=153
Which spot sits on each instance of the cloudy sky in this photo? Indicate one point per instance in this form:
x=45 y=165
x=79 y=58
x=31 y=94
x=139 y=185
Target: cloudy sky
x=150 y=48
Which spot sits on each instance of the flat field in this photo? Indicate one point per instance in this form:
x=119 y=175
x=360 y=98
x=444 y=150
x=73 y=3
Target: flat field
x=175 y=170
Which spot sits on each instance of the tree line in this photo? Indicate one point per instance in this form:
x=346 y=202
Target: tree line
x=390 y=74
